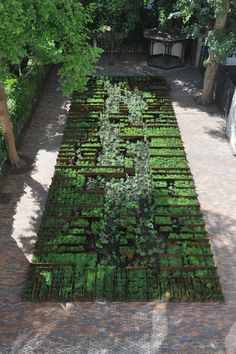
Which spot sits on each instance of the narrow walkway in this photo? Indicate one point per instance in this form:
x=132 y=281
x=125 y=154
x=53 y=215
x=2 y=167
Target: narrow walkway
x=123 y=328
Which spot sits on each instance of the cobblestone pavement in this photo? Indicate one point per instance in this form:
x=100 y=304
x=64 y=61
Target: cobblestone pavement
x=122 y=328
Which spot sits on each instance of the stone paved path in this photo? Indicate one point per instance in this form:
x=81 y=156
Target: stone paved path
x=122 y=328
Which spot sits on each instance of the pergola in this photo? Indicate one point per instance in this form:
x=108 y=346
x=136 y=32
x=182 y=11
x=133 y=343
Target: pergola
x=166 y=50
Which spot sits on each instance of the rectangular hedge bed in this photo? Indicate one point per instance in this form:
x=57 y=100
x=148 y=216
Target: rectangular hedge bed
x=122 y=220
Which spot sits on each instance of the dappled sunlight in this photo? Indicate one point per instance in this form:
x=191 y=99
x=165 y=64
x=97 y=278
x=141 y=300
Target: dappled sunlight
x=159 y=326
x=117 y=327
x=42 y=144
x=65 y=107
x=189 y=88
x=135 y=327
x=45 y=161
x=185 y=83
x=28 y=209
x=222 y=231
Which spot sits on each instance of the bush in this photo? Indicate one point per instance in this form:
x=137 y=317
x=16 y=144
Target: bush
x=23 y=94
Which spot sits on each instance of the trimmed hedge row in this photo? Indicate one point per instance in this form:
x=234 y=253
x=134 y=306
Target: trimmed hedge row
x=22 y=96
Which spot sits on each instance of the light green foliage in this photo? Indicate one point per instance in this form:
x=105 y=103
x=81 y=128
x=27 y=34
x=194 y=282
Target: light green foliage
x=47 y=32
x=109 y=137
x=129 y=195
x=221 y=44
x=136 y=105
x=161 y=11
x=198 y=20
x=114 y=97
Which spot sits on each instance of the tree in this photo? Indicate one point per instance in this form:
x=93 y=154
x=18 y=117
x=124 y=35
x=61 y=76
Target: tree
x=216 y=21
x=121 y=15
x=161 y=10
x=117 y=19
x=44 y=32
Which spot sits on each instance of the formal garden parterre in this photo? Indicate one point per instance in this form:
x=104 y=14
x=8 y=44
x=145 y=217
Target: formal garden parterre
x=122 y=220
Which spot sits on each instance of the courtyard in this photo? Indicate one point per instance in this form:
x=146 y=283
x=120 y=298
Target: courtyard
x=102 y=326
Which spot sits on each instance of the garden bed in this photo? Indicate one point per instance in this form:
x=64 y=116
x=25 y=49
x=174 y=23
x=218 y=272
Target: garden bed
x=122 y=220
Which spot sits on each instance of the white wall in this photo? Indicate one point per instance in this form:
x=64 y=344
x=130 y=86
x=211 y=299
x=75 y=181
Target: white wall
x=231 y=60
x=159 y=48
x=177 y=50
x=231 y=123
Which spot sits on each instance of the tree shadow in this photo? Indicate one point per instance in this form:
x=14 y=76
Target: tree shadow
x=134 y=327
x=32 y=185
x=206 y=327
x=40 y=142
x=185 y=82
x=30 y=327
x=108 y=327
x=217 y=134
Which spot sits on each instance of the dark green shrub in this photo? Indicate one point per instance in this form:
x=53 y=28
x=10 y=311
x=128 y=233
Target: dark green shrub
x=23 y=94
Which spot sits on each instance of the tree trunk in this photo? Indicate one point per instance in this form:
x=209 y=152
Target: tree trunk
x=7 y=131
x=209 y=80
x=111 y=54
x=212 y=67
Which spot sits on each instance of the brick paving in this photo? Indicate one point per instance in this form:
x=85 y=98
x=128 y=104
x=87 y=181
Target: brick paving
x=123 y=328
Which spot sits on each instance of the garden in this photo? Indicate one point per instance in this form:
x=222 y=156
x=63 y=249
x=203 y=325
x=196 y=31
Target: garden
x=122 y=220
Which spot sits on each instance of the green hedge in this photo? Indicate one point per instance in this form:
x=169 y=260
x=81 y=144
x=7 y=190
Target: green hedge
x=23 y=94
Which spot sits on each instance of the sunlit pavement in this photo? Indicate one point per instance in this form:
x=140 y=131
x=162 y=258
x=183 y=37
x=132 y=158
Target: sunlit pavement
x=127 y=328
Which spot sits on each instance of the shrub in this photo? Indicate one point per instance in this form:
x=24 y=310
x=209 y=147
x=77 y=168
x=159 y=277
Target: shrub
x=23 y=94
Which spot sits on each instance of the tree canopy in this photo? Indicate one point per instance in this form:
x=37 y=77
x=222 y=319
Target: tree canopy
x=48 y=31
x=215 y=21
x=212 y=20
x=199 y=20
x=44 y=32
x=60 y=32
x=122 y=16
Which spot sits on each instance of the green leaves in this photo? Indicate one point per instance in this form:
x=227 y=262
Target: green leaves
x=123 y=15
x=135 y=104
x=219 y=45
x=48 y=32
x=116 y=250
x=206 y=18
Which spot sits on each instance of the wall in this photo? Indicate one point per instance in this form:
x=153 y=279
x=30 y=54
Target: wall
x=224 y=89
x=231 y=123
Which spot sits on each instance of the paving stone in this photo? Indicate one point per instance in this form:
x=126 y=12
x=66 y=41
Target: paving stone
x=120 y=328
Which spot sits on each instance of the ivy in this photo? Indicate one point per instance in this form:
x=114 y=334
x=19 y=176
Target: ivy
x=136 y=105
